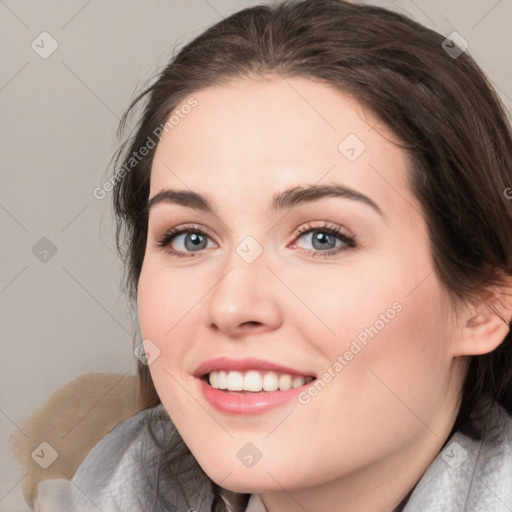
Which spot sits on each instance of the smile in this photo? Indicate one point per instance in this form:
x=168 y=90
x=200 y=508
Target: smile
x=255 y=381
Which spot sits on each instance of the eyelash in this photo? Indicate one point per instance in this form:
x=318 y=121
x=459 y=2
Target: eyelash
x=349 y=241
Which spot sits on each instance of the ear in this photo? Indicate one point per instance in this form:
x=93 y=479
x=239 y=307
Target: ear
x=487 y=322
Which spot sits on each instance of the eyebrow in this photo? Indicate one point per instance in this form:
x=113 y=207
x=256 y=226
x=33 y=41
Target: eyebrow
x=282 y=200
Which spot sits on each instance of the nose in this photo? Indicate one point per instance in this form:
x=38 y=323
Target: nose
x=245 y=298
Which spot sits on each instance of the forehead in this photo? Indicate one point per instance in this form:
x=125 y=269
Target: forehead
x=275 y=132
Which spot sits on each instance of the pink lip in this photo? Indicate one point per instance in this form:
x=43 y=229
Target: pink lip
x=245 y=402
x=241 y=365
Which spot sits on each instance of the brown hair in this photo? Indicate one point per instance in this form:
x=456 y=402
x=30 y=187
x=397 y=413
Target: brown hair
x=442 y=109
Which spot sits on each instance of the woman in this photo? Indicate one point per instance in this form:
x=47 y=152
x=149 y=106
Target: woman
x=340 y=341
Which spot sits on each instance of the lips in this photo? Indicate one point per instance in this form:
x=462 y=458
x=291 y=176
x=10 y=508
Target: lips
x=242 y=365
x=248 y=402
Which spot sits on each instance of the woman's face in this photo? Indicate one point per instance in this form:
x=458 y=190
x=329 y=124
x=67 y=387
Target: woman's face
x=362 y=311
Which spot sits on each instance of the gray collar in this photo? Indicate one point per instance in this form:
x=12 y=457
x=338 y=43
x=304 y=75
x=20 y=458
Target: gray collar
x=469 y=475
x=122 y=472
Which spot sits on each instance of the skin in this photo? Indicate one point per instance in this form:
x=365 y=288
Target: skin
x=369 y=435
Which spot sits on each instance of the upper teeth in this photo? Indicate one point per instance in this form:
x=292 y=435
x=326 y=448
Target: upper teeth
x=254 y=380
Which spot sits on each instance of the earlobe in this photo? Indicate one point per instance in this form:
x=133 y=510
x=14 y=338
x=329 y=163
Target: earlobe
x=487 y=325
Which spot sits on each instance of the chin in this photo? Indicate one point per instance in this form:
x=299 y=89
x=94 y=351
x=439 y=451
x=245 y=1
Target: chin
x=247 y=483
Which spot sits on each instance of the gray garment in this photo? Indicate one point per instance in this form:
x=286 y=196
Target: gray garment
x=121 y=473
x=469 y=475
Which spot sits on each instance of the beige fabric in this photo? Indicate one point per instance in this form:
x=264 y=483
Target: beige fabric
x=73 y=419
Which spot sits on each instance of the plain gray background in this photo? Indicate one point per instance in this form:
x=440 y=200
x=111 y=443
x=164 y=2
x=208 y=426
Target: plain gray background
x=65 y=316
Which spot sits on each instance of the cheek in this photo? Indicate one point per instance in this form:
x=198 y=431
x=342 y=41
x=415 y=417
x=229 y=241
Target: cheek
x=159 y=311
x=149 y=300
x=168 y=312
x=388 y=340
x=165 y=304
x=340 y=304
x=401 y=372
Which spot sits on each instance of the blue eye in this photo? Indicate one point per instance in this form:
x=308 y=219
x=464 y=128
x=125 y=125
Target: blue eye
x=322 y=237
x=194 y=239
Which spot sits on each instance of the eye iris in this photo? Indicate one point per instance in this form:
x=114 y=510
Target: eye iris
x=323 y=238
x=195 y=239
